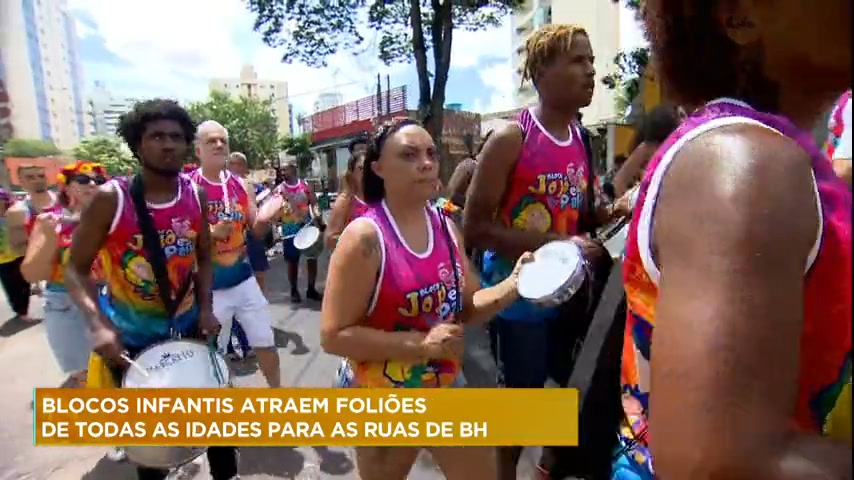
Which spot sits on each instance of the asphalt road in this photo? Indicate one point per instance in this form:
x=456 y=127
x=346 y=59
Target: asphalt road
x=26 y=363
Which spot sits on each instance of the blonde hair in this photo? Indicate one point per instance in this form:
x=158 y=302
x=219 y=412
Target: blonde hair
x=546 y=43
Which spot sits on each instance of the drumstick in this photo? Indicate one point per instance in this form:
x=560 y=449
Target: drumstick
x=135 y=365
x=223 y=177
x=261 y=196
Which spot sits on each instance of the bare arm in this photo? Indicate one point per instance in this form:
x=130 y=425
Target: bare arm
x=41 y=254
x=487 y=189
x=842 y=167
x=348 y=295
x=86 y=241
x=312 y=202
x=482 y=304
x=253 y=204
x=204 y=252
x=719 y=409
x=16 y=219
x=338 y=219
x=460 y=180
x=632 y=170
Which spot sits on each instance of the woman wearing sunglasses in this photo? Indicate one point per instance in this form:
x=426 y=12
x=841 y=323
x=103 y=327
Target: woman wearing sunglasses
x=45 y=260
x=399 y=293
x=349 y=204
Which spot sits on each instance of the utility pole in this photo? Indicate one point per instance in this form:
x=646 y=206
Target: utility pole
x=5 y=134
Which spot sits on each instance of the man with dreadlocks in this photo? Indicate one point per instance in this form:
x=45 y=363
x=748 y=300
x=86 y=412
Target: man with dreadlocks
x=535 y=174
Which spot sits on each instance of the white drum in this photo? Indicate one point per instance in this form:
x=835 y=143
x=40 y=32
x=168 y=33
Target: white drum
x=309 y=240
x=174 y=364
x=555 y=274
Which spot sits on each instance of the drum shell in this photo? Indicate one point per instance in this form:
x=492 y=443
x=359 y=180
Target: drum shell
x=316 y=248
x=170 y=456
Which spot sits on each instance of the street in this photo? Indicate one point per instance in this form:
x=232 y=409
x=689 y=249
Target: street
x=26 y=363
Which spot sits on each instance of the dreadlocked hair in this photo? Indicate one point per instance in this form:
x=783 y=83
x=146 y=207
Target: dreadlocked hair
x=697 y=59
x=544 y=45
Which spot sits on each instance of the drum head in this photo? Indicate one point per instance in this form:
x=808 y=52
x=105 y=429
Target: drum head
x=177 y=364
x=306 y=237
x=554 y=266
x=617 y=242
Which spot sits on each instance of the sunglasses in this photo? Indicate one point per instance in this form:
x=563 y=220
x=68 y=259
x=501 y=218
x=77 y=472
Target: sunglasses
x=86 y=179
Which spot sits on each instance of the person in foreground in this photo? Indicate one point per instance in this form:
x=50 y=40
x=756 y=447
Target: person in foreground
x=405 y=328
x=46 y=259
x=300 y=209
x=751 y=366
x=132 y=316
x=349 y=204
x=231 y=211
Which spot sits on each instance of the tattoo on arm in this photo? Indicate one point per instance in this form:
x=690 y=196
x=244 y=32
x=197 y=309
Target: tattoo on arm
x=370 y=245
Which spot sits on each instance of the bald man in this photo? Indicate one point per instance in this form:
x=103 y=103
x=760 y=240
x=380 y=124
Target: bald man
x=231 y=209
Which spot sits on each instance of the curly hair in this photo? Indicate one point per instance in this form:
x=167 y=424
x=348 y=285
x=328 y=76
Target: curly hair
x=545 y=45
x=132 y=124
x=698 y=60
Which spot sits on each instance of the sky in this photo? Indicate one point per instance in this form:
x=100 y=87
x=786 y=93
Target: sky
x=171 y=48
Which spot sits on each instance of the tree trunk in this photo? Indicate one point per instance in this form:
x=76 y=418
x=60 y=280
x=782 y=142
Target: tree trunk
x=419 y=50
x=443 y=28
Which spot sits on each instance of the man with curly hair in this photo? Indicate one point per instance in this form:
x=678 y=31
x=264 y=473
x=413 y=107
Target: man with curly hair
x=127 y=317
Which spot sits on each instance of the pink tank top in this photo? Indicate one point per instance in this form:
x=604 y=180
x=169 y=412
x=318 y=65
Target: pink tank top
x=132 y=301
x=63 y=240
x=230 y=264
x=32 y=213
x=357 y=208
x=414 y=292
x=826 y=339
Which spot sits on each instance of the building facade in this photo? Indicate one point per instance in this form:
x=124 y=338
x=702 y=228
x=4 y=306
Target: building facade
x=600 y=18
x=248 y=85
x=42 y=71
x=106 y=110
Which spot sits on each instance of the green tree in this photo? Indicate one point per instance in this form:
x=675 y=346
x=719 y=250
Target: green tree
x=299 y=147
x=630 y=65
x=111 y=152
x=29 y=148
x=251 y=123
x=310 y=32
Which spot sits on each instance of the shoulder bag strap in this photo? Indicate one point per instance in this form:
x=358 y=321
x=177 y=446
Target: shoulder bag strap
x=589 y=212
x=154 y=251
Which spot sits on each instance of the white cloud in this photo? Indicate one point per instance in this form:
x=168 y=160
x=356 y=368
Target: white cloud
x=173 y=47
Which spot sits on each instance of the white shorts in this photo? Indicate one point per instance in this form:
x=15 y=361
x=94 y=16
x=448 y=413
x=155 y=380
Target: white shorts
x=246 y=303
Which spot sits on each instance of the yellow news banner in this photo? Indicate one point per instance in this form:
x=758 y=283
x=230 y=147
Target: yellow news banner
x=306 y=416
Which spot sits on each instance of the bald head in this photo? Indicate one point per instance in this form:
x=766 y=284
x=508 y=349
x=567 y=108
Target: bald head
x=211 y=144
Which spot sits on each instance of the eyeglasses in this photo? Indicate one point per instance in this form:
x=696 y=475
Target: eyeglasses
x=86 y=179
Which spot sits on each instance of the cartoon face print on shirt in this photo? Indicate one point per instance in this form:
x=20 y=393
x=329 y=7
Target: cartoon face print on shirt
x=177 y=241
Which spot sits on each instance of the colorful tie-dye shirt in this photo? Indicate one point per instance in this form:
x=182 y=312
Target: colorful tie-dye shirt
x=231 y=265
x=131 y=299
x=414 y=292
x=299 y=213
x=825 y=363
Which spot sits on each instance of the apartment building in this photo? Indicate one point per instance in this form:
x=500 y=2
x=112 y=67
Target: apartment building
x=600 y=18
x=248 y=85
x=106 y=109
x=42 y=71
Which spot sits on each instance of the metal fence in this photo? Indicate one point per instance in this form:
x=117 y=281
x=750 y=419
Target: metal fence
x=354 y=117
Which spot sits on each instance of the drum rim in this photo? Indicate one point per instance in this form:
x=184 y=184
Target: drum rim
x=563 y=244
x=227 y=373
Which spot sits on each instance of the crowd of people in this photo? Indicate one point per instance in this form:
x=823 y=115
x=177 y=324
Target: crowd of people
x=752 y=371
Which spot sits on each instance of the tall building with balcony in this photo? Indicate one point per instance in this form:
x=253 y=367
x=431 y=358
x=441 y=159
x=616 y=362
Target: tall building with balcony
x=601 y=19
x=42 y=71
x=248 y=85
x=106 y=110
